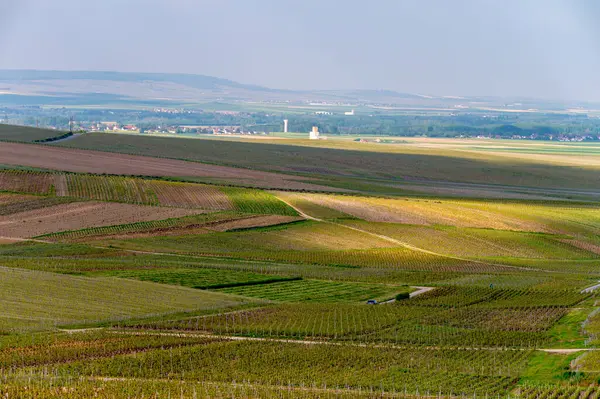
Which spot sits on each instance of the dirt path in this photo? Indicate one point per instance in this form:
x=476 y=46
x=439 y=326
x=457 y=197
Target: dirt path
x=319 y=342
x=419 y=291
x=590 y=289
x=567 y=351
x=60 y=185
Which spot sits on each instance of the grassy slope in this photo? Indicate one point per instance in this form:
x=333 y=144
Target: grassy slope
x=46 y=299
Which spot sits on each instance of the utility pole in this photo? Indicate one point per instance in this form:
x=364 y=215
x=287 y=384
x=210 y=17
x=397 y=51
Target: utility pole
x=71 y=120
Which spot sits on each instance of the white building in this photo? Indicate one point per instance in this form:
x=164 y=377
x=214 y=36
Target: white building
x=314 y=134
x=349 y=113
x=285 y=125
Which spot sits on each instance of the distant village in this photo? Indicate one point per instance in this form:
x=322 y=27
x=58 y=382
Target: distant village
x=114 y=127
x=344 y=121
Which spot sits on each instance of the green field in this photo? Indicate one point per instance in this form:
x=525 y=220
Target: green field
x=483 y=257
x=27 y=134
x=316 y=291
x=49 y=300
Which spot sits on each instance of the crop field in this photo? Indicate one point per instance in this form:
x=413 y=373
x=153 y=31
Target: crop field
x=49 y=300
x=474 y=243
x=233 y=269
x=26 y=182
x=316 y=291
x=559 y=218
x=84 y=161
x=147 y=192
x=79 y=215
x=198 y=278
x=195 y=224
x=30 y=203
x=352 y=159
x=144 y=192
x=26 y=134
x=428 y=369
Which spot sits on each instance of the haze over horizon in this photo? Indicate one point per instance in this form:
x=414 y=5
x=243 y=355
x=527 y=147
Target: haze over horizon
x=536 y=48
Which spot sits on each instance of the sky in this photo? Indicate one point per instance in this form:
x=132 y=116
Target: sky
x=529 y=48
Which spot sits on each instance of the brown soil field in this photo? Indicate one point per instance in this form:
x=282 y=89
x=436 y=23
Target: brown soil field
x=33 y=183
x=80 y=215
x=6 y=199
x=255 y=221
x=85 y=161
x=185 y=195
x=195 y=229
x=162 y=232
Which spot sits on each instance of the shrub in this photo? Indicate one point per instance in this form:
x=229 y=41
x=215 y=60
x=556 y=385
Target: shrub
x=402 y=295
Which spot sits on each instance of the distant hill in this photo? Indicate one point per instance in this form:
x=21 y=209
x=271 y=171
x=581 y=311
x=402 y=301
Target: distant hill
x=105 y=88
x=30 y=87
x=196 y=81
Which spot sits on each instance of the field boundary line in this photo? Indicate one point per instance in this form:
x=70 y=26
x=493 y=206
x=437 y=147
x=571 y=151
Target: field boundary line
x=337 y=343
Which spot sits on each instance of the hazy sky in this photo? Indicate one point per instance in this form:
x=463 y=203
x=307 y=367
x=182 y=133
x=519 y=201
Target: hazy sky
x=539 y=48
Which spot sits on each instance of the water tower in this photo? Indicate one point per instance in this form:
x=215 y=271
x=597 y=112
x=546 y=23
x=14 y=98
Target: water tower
x=314 y=134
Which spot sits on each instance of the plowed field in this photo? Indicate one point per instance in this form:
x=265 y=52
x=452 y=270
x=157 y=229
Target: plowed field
x=85 y=161
x=81 y=215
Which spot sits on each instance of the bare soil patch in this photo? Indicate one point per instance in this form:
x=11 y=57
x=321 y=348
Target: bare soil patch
x=256 y=221
x=80 y=215
x=60 y=185
x=6 y=199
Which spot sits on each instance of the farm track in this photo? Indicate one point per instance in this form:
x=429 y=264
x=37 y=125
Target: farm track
x=590 y=289
x=419 y=291
x=405 y=244
x=315 y=342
